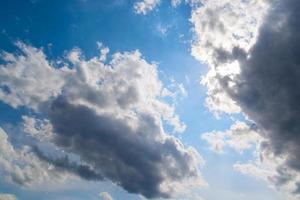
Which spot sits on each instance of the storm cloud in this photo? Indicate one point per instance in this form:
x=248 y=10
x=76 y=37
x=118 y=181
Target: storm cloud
x=268 y=86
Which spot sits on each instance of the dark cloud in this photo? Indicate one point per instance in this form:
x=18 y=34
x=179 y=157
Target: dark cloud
x=139 y=159
x=268 y=88
x=223 y=56
x=64 y=163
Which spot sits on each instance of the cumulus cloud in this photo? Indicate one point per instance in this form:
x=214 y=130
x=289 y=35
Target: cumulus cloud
x=271 y=168
x=252 y=50
x=145 y=6
x=40 y=129
x=137 y=156
x=110 y=117
x=267 y=87
x=21 y=74
x=240 y=137
x=7 y=197
x=264 y=165
x=220 y=26
x=21 y=166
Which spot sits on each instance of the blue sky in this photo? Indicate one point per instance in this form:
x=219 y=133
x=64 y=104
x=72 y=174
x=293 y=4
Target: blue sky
x=164 y=36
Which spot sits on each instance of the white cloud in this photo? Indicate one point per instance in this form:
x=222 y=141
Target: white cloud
x=119 y=100
x=264 y=165
x=162 y=30
x=7 y=197
x=105 y=196
x=217 y=99
x=21 y=166
x=223 y=25
x=145 y=6
x=127 y=83
x=175 y=3
x=21 y=75
x=37 y=128
x=240 y=137
x=175 y=90
x=272 y=169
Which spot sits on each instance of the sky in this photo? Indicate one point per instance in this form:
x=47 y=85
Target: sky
x=149 y=99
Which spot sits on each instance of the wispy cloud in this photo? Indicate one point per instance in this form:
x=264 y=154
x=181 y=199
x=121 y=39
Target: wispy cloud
x=145 y=6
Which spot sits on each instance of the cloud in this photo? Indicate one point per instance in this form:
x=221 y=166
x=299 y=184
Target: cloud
x=40 y=129
x=7 y=197
x=105 y=196
x=21 y=166
x=109 y=117
x=220 y=26
x=145 y=6
x=21 y=74
x=271 y=168
x=267 y=86
x=264 y=165
x=140 y=159
x=240 y=137
x=175 y=3
x=252 y=50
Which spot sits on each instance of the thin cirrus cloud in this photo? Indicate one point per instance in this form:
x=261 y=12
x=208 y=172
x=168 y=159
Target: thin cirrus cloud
x=110 y=116
x=145 y=6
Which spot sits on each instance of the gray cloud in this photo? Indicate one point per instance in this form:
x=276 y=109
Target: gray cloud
x=139 y=159
x=267 y=88
x=108 y=117
x=64 y=163
x=252 y=50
